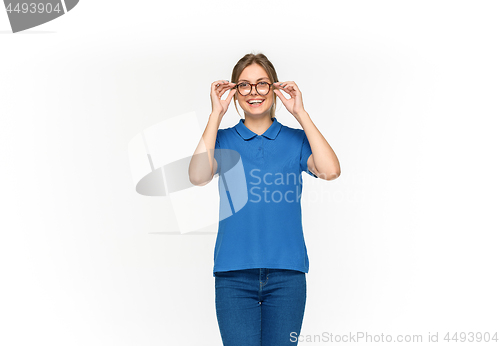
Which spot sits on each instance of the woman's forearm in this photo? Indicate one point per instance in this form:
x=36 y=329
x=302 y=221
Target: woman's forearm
x=325 y=159
x=203 y=165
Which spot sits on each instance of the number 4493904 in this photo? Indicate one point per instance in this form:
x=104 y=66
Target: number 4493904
x=33 y=8
x=471 y=337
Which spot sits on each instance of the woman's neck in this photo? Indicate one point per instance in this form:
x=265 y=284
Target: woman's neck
x=258 y=125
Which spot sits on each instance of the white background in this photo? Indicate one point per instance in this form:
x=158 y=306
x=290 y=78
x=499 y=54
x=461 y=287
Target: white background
x=404 y=242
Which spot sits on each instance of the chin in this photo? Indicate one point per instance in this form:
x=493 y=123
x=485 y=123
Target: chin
x=258 y=112
x=258 y=115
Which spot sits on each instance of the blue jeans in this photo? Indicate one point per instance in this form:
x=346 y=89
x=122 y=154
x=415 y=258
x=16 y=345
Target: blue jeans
x=260 y=307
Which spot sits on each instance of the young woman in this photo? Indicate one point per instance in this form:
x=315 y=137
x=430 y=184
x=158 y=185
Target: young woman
x=260 y=257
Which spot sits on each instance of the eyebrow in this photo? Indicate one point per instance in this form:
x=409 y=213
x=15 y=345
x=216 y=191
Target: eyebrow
x=244 y=80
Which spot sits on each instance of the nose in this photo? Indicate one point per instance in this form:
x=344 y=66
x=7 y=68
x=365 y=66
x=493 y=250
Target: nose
x=253 y=90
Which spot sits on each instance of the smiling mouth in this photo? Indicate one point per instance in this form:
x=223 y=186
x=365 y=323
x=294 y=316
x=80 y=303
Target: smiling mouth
x=255 y=103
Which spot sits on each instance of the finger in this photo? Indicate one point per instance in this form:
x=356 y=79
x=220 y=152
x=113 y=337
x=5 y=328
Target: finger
x=284 y=88
x=221 y=90
x=222 y=83
x=224 y=91
x=230 y=96
x=280 y=95
x=221 y=93
x=281 y=85
x=293 y=86
x=290 y=88
x=287 y=84
x=218 y=83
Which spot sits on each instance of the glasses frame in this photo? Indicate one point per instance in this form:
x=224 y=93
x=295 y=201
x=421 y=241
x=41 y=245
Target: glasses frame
x=252 y=86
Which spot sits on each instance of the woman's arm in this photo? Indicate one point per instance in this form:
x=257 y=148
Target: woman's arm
x=203 y=165
x=323 y=162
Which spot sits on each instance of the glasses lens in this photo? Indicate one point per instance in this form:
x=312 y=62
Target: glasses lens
x=262 y=88
x=244 y=88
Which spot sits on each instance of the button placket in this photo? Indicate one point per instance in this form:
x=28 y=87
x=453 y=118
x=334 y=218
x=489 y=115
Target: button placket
x=260 y=152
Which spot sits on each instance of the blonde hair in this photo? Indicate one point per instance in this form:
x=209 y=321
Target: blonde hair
x=264 y=62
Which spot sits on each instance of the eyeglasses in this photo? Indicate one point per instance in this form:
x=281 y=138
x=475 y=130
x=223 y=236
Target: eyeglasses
x=245 y=88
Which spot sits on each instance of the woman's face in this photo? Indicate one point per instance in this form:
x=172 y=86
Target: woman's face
x=254 y=74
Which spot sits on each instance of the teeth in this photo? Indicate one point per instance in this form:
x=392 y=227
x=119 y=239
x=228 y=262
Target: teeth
x=255 y=101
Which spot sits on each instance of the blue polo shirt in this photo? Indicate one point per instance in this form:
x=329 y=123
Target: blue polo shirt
x=260 y=188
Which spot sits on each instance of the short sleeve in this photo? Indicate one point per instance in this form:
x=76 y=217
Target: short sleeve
x=304 y=156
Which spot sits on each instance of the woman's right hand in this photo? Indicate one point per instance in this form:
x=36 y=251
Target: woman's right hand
x=218 y=89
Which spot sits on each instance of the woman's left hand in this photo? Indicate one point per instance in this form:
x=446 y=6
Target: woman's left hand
x=294 y=105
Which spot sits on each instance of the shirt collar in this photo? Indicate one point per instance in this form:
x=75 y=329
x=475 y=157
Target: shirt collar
x=247 y=134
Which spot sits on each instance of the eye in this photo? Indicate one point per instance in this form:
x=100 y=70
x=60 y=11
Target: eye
x=262 y=83
x=243 y=84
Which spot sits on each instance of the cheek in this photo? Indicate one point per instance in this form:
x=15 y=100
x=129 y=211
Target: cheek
x=240 y=101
